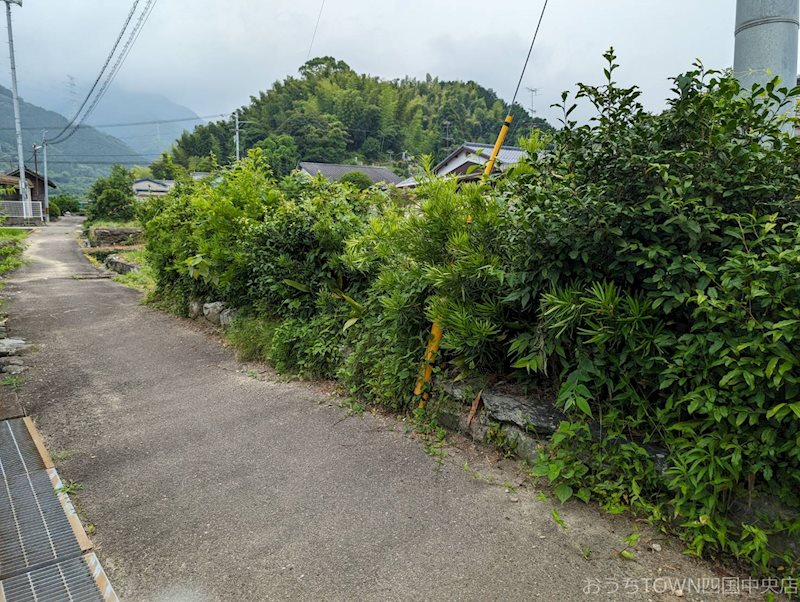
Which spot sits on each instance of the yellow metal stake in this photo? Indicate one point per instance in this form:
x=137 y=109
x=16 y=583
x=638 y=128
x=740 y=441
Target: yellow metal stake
x=498 y=145
x=436 y=329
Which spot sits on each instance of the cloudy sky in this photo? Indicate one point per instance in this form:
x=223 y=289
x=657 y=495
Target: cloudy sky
x=212 y=55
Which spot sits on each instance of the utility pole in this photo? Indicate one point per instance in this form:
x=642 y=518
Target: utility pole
x=23 y=185
x=46 y=208
x=447 y=138
x=534 y=93
x=766 y=42
x=236 y=135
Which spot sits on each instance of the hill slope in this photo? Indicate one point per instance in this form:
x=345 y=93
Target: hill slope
x=332 y=114
x=124 y=106
x=73 y=165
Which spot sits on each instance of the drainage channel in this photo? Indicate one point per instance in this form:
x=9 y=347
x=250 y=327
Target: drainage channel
x=45 y=555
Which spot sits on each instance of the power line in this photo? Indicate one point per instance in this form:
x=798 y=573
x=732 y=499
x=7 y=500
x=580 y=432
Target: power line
x=134 y=35
x=145 y=14
x=127 y=124
x=530 y=51
x=316 y=27
x=103 y=69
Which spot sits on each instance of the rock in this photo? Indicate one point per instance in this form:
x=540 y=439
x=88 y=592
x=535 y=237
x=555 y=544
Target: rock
x=227 y=317
x=656 y=547
x=112 y=237
x=120 y=266
x=211 y=311
x=527 y=413
x=195 y=309
x=12 y=346
x=12 y=369
x=11 y=360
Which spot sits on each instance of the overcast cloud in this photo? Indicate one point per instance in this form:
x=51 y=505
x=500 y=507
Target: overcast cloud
x=213 y=55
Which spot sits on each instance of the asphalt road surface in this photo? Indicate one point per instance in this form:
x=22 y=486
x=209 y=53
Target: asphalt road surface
x=204 y=483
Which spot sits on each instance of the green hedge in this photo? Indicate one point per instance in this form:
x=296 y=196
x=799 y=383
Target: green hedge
x=643 y=266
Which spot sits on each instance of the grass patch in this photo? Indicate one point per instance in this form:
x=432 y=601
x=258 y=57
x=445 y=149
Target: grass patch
x=252 y=337
x=136 y=256
x=108 y=223
x=11 y=248
x=13 y=382
x=13 y=233
x=141 y=279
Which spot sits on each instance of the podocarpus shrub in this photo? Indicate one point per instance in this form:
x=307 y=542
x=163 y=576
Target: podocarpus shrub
x=645 y=266
x=666 y=273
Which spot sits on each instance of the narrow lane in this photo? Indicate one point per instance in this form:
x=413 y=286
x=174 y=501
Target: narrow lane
x=205 y=484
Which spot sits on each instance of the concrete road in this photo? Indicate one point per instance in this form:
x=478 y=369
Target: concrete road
x=206 y=484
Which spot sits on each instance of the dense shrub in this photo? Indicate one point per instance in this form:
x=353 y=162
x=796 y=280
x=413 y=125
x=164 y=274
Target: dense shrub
x=66 y=202
x=643 y=266
x=357 y=179
x=111 y=198
x=666 y=260
x=54 y=211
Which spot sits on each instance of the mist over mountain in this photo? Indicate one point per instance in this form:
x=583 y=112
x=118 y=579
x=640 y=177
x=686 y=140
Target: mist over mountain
x=120 y=105
x=74 y=164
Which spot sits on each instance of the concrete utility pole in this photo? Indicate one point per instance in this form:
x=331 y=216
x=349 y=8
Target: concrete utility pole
x=766 y=41
x=236 y=134
x=23 y=185
x=46 y=208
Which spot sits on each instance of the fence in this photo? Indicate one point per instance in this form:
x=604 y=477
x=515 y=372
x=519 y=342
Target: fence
x=15 y=210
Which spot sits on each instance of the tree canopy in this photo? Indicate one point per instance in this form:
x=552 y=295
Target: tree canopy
x=332 y=114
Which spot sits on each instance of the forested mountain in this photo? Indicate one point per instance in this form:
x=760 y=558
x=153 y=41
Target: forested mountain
x=120 y=105
x=73 y=165
x=331 y=113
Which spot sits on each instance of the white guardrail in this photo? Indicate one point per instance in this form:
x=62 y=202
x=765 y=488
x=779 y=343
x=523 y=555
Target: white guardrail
x=16 y=210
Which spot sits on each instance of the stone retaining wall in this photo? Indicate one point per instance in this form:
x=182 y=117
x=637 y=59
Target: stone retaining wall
x=111 y=237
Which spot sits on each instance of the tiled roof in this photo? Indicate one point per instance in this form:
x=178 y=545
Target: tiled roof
x=334 y=171
x=508 y=155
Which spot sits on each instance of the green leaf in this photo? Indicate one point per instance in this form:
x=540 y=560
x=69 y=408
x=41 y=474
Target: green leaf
x=300 y=287
x=557 y=517
x=349 y=323
x=583 y=405
x=563 y=492
x=771 y=413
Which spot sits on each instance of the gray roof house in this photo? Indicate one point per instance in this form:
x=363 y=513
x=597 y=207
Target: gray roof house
x=334 y=171
x=468 y=161
x=146 y=187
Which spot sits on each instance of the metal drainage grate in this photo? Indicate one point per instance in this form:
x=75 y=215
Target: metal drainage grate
x=69 y=580
x=18 y=453
x=34 y=530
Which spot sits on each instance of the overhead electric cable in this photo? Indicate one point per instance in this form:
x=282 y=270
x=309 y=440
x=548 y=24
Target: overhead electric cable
x=127 y=124
x=134 y=35
x=316 y=27
x=103 y=69
x=530 y=51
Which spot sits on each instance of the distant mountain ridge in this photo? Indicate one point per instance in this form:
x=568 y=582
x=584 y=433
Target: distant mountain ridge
x=124 y=106
x=73 y=165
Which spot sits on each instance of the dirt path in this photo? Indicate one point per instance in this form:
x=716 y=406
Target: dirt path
x=206 y=484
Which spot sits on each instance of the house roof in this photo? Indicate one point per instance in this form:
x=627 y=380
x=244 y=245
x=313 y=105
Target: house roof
x=30 y=174
x=12 y=181
x=407 y=183
x=508 y=155
x=147 y=184
x=334 y=171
